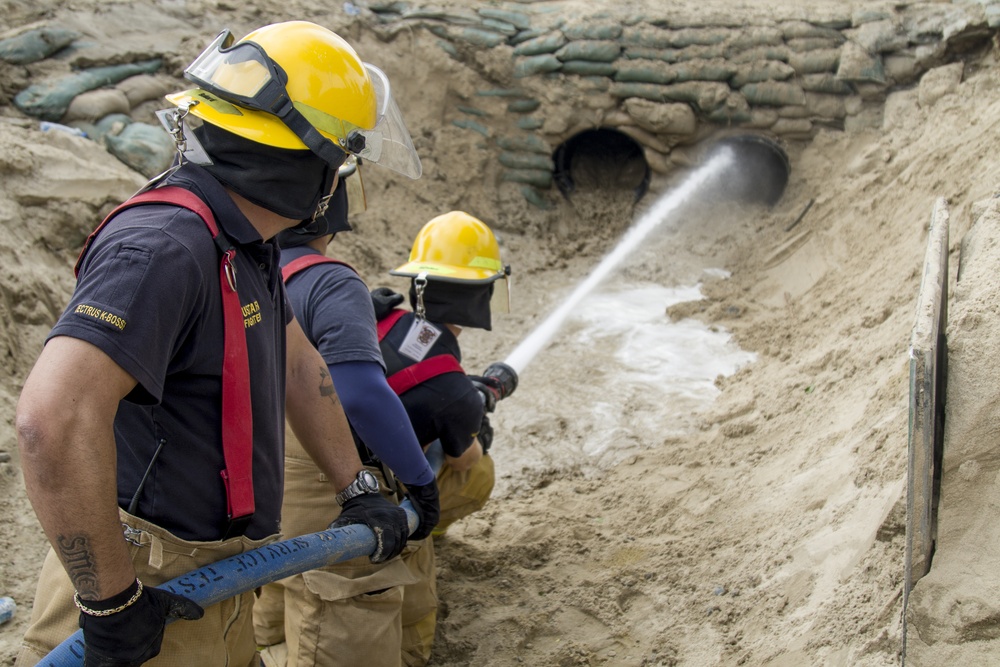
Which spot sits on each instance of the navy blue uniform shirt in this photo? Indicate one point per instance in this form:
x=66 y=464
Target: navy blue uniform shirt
x=335 y=310
x=334 y=307
x=148 y=296
x=446 y=407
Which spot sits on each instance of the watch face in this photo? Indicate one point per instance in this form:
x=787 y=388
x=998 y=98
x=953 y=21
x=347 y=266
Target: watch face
x=368 y=481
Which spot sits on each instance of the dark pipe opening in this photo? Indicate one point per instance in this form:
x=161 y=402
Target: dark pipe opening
x=601 y=159
x=759 y=172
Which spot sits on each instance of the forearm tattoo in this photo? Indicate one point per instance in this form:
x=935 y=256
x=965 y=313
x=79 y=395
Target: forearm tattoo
x=326 y=389
x=78 y=560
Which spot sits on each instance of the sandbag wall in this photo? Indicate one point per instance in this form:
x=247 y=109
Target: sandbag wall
x=665 y=81
x=668 y=81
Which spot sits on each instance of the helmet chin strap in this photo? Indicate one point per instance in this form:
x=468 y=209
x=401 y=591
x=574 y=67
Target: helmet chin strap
x=324 y=202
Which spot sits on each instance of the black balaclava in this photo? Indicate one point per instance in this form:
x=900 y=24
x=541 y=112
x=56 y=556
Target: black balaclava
x=456 y=303
x=332 y=221
x=284 y=181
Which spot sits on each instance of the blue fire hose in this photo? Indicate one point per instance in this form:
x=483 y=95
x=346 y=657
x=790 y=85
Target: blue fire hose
x=247 y=571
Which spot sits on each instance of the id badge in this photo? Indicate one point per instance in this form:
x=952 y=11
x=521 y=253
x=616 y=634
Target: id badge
x=419 y=339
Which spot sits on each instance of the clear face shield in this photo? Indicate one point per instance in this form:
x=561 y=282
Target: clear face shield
x=500 y=301
x=350 y=174
x=389 y=144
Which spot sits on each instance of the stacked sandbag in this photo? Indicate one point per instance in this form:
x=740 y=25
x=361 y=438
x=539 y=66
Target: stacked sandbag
x=667 y=79
x=110 y=104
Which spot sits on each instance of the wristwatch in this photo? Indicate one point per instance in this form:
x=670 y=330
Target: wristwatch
x=364 y=483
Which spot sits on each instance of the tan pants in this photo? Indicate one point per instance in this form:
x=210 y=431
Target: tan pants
x=223 y=636
x=462 y=493
x=341 y=615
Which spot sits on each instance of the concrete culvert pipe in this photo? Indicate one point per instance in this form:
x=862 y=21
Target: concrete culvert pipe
x=600 y=159
x=759 y=171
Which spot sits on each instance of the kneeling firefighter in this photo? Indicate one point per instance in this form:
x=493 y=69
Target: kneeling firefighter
x=456 y=273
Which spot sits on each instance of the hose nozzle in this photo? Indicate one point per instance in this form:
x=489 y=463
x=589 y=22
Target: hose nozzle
x=495 y=384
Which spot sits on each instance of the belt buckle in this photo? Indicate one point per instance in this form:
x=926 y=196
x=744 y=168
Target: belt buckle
x=132 y=535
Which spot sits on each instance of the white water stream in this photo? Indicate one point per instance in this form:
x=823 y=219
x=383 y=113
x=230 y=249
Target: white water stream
x=669 y=202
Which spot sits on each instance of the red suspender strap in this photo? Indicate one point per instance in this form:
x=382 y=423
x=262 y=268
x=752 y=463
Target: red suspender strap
x=237 y=413
x=388 y=322
x=422 y=371
x=304 y=262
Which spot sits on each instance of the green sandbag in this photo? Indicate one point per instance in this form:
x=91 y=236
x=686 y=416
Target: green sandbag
x=648 y=53
x=49 y=101
x=704 y=70
x=500 y=92
x=645 y=71
x=774 y=93
x=587 y=68
x=536 y=198
x=526 y=161
x=484 y=38
x=548 y=43
x=529 y=143
x=826 y=82
x=146 y=148
x=502 y=27
x=585 y=30
x=472 y=111
x=516 y=19
x=540 y=178
x=536 y=65
x=523 y=106
x=447 y=47
x=815 y=62
x=113 y=123
x=528 y=35
x=35 y=45
x=466 y=124
x=597 y=50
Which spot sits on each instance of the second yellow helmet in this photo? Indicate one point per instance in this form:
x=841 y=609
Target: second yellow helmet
x=455 y=247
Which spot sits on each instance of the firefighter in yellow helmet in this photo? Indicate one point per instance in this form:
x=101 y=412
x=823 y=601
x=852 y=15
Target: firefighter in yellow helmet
x=457 y=277
x=179 y=309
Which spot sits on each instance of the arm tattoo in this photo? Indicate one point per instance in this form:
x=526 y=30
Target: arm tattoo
x=326 y=388
x=75 y=554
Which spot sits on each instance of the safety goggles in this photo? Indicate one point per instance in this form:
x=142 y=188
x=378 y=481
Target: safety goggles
x=243 y=74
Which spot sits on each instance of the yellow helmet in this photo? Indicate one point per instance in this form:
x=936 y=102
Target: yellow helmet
x=282 y=83
x=455 y=247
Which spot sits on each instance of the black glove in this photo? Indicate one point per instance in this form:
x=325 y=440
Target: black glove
x=386 y=520
x=133 y=635
x=384 y=300
x=495 y=384
x=489 y=389
x=428 y=506
x=485 y=435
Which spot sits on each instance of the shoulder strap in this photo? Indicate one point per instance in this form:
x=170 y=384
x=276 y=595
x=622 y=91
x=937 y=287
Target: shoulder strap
x=422 y=371
x=305 y=261
x=237 y=413
x=386 y=324
x=407 y=378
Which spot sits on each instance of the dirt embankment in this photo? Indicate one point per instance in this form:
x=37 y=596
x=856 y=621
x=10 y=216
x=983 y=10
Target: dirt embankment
x=766 y=529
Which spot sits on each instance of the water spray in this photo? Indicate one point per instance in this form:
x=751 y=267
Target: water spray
x=719 y=161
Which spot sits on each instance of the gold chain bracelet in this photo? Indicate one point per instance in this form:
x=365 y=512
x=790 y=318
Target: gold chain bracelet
x=107 y=612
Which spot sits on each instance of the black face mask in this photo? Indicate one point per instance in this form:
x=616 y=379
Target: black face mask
x=454 y=303
x=332 y=221
x=287 y=182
